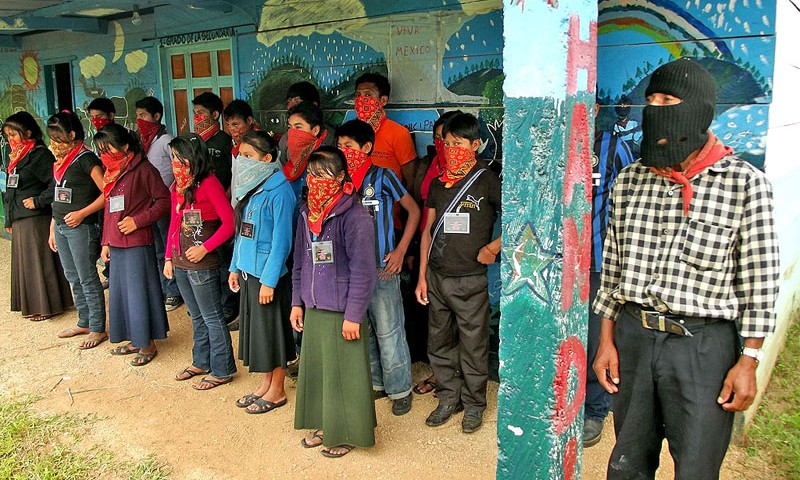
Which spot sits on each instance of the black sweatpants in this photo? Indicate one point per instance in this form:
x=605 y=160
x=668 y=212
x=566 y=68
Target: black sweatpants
x=458 y=338
x=668 y=388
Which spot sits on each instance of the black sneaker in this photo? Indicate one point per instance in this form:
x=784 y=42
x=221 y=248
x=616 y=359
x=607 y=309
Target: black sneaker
x=401 y=406
x=472 y=421
x=378 y=394
x=592 y=432
x=171 y=303
x=234 y=325
x=442 y=414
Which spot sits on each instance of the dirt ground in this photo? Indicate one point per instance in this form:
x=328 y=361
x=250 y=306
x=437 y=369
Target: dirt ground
x=202 y=435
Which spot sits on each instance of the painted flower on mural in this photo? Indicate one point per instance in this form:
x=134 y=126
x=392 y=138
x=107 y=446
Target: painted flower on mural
x=30 y=70
x=135 y=60
x=92 y=66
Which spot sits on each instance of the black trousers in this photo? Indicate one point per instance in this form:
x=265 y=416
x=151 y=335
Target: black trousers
x=669 y=386
x=458 y=338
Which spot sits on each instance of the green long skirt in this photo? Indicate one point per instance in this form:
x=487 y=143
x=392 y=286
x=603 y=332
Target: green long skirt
x=334 y=384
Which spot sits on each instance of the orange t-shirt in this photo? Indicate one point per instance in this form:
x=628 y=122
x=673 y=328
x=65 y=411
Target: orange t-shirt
x=393 y=147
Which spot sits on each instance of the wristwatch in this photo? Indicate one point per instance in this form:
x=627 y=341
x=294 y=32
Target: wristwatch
x=756 y=354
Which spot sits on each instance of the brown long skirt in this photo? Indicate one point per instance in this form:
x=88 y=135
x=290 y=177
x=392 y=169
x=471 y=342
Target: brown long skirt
x=38 y=285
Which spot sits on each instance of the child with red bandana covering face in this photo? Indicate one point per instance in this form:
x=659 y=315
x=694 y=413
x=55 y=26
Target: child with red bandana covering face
x=101 y=113
x=380 y=189
x=393 y=148
x=208 y=109
x=135 y=198
x=463 y=205
x=306 y=133
x=333 y=281
x=239 y=119
x=155 y=140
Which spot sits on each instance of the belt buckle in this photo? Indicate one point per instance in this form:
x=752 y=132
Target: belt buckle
x=649 y=324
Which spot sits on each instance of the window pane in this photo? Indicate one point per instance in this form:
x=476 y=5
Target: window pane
x=178 y=66
x=224 y=63
x=201 y=64
x=181 y=111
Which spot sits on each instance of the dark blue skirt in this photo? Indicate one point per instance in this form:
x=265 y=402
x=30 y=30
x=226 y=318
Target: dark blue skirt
x=135 y=303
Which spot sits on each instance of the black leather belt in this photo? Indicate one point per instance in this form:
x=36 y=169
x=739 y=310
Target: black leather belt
x=666 y=321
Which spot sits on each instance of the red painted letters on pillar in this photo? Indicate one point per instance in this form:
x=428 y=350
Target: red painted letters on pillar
x=581 y=55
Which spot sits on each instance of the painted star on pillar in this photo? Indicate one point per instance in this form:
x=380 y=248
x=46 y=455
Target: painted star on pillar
x=530 y=264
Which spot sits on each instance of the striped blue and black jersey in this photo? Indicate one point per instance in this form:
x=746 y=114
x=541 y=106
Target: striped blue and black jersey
x=379 y=191
x=611 y=155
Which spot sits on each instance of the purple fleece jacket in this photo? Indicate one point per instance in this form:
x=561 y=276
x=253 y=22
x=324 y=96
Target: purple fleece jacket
x=347 y=284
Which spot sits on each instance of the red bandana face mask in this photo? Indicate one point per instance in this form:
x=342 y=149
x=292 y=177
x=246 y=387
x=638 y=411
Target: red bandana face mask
x=300 y=145
x=370 y=110
x=183 y=180
x=205 y=126
x=64 y=153
x=358 y=163
x=101 y=122
x=115 y=164
x=19 y=148
x=460 y=161
x=323 y=194
x=148 y=132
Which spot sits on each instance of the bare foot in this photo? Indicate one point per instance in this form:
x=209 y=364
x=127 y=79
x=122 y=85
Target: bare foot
x=72 y=332
x=94 y=339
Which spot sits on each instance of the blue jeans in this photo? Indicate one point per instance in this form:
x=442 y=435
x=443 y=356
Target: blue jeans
x=390 y=361
x=212 y=350
x=598 y=400
x=79 y=249
x=160 y=229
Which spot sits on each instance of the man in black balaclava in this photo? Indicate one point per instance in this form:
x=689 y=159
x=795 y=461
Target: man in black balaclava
x=690 y=264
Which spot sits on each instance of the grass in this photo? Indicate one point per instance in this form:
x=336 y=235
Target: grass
x=48 y=447
x=775 y=433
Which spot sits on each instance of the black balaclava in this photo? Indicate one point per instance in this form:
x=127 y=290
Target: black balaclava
x=685 y=125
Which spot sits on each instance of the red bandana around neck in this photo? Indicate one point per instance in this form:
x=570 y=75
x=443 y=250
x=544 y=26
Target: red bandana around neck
x=100 y=122
x=370 y=110
x=205 y=126
x=183 y=180
x=323 y=195
x=19 y=148
x=358 y=163
x=711 y=153
x=64 y=153
x=460 y=161
x=148 y=131
x=115 y=164
x=300 y=146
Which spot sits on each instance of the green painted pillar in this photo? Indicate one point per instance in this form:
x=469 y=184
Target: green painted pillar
x=550 y=66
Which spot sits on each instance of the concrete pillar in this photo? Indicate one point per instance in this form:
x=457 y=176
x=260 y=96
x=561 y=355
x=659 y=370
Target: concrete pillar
x=550 y=66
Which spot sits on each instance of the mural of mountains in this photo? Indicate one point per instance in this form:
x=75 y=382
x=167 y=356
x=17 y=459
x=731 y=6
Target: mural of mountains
x=475 y=82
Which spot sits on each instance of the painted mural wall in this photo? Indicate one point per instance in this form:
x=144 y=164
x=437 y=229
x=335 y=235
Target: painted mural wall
x=733 y=39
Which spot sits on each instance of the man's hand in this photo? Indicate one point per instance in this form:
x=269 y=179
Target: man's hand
x=422 y=291
x=28 y=203
x=739 y=388
x=394 y=261
x=486 y=256
x=127 y=225
x=606 y=362
x=105 y=254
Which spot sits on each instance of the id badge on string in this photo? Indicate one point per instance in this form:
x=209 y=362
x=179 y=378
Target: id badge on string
x=13 y=181
x=457 y=223
x=192 y=218
x=63 y=195
x=115 y=203
x=322 y=252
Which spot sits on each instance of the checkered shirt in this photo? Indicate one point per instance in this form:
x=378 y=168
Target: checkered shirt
x=719 y=261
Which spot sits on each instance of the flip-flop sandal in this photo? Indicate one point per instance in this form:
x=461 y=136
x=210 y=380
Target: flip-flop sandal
x=40 y=318
x=89 y=344
x=72 y=332
x=142 y=359
x=213 y=383
x=265 y=406
x=247 y=400
x=422 y=389
x=124 y=350
x=305 y=443
x=326 y=452
x=189 y=372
